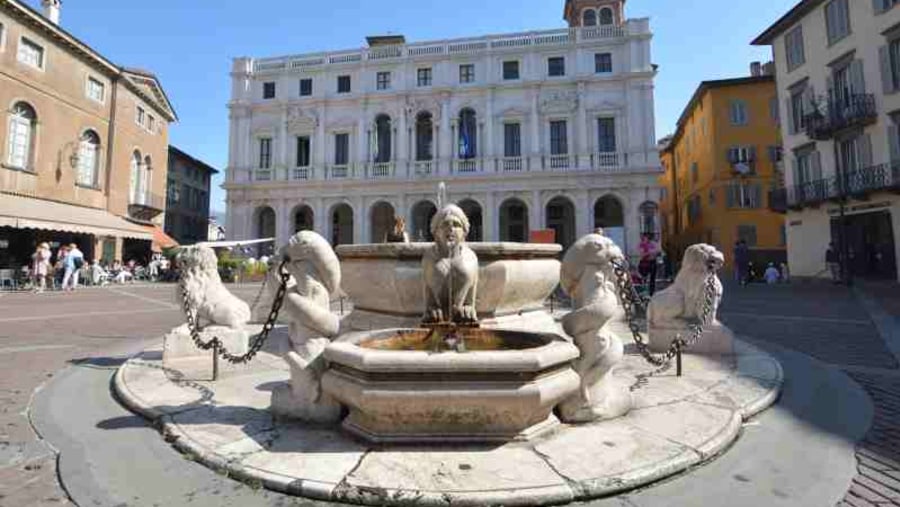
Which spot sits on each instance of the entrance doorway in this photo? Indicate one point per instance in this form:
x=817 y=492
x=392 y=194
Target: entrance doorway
x=870 y=245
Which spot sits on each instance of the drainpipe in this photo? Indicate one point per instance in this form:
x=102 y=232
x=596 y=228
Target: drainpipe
x=111 y=137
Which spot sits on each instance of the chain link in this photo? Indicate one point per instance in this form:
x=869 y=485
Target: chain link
x=632 y=302
x=257 y=342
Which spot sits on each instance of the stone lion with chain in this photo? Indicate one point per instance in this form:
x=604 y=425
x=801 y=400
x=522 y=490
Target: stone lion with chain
x=678 y=309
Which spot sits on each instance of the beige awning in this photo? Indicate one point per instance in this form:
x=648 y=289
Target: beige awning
x=23 y=212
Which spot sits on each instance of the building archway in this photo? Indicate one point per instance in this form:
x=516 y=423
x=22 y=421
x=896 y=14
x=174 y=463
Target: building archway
x=341 y=225
x=514 y=221
x=589 y=18
x=609 y=216
x=304 y=219
x=264 y=228
x=422 y=213
x=606 y=16
x=473 y=211
x=561 y=219
x=381 y=218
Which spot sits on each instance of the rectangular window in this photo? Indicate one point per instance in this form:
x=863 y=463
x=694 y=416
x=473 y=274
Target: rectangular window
x=512 y=140
x=423 y=77
x=556 y=66
x=140 y=116
x=19 y=141
x=744 y=196
x=511 y=70
x=837 y=20
x=892 y=70
x=341 y=149
x=303 y=151
x=793 y=47
x=738 y=112
x=559 y=144
x=606 y=135
x=603 y=63
x=31 y=53
x=343 y=84
x=741 y=154
x=269 y=90
x=747 y=234
x=383 y=81
x=151 y=123
x=798 y=115
x=467 y=73
x=265 y=153
x=306 y=87
x=96 y=90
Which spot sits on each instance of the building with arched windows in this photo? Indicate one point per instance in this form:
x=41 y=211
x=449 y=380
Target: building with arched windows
x=549 y=129
x=83 y=144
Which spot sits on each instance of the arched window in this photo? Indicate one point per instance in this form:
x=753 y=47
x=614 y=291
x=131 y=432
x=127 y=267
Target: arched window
x=468 y=134
x=424 y=136
x=22 y=122
x=606 y=16
x=135 y=189
x=88 y=159
x=589 y=18
x=382 y=139
x=649 y=212
x=147 y=176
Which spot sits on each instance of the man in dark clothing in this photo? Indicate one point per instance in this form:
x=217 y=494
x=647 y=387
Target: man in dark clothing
x=741 y=261
x=833 y=261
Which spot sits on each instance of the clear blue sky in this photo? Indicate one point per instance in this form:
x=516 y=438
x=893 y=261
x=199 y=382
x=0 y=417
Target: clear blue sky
x=189 y=43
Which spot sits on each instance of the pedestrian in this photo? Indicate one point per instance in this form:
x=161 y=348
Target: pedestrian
x=785 y=273
x=741 y=261
x=833 y=262
x=40 y=267
x=771 y=274
x=72 y=264
x=649 y=250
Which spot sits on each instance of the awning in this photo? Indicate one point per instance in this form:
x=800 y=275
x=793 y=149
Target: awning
x=161 y=240
x=22 y=212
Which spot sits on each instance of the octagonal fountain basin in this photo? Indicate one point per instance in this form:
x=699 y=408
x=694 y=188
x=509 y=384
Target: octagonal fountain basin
x=385 y=283
x=503 y=388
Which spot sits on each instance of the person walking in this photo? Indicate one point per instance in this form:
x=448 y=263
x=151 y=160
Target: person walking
x=833 y=262
x=771 y=275
x=741 y=262
x=649 y=250
x=72 y=264
x=40 y=267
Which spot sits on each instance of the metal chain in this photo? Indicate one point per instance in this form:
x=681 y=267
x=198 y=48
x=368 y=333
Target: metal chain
x=632 y=302
x=258 y=340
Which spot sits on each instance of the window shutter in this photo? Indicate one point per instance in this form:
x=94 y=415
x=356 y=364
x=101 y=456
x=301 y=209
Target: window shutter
x=857 y=79
x=729 y=154
x=865 y=151
x=789 y=114
x=809 y=100
x=751 y=155
x=730 y=199
x=894 y=142
x=887 y=80
x=757 y=196
x=815 y=166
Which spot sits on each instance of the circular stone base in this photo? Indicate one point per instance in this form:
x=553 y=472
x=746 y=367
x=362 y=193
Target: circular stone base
x=676 y=423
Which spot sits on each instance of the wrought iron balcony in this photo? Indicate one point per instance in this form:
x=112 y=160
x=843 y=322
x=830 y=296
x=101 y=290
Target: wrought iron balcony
x=841 y=113
x=857 y=184
x=145 y=206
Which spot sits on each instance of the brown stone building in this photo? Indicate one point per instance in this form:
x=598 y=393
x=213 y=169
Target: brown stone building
x=83 y=144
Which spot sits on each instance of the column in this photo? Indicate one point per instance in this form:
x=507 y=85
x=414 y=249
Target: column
x=443 y=166
x=632 y=224
x=321 y=157
x=584 y=213
x=582 y=150
x=320 y=220
x=491 y=217
x=402 y=143
x=535 y=163
x=281 y=167
x=535 y=212
x=360 y=224
x=361 y=140
x=284 y=225
x=489 y=149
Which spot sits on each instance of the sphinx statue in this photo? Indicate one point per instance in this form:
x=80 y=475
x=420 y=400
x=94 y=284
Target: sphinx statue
x=680 y=307
x=316 y=274
x=587 y=275
x=450 y=269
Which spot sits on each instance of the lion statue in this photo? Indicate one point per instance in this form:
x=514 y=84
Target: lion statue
x=450 y=270
x=676 y=309
x=588 y=276
x=205 y=291
x=315 y=275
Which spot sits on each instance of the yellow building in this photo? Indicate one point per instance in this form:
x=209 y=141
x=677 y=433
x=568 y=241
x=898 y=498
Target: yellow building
x=719 y=166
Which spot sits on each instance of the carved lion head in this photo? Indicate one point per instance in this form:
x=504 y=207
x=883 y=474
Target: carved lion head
x=592 y=250
x=703 y=258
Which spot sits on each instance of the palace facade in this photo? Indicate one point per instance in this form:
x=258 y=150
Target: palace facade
x=549 y=129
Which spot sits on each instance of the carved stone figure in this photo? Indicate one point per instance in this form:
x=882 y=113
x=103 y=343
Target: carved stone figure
x=450 y=269
x=398 y=233
x=674 y=310
x=220 y=313
x=587 y=275
x=316 y=274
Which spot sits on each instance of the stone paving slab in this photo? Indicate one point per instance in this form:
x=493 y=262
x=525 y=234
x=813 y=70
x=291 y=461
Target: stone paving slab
x=678 y=423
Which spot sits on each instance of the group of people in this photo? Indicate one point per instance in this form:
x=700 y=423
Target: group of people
x=70 y=268
x=745 y=271
x=69 y=263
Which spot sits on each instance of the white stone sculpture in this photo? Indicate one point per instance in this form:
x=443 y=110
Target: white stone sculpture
x=316 y=274
x=450 y=269
x=676 y=309
x=218 y=312
x=587 y=275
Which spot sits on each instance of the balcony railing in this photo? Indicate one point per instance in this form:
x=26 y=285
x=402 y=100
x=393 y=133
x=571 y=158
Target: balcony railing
x=301 y=173
x=424 y=167
x=558 y=162
x=145 y=206
x=380 y=170
x=854 y=184
x=262 y=175
x=339 y=172
x=467 y=165
x=512 y=164
x=839 y=114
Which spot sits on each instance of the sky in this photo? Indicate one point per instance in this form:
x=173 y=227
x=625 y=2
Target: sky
x=189 y=44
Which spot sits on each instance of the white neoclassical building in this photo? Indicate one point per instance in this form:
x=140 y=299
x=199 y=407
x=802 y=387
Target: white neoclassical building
x=549 y=129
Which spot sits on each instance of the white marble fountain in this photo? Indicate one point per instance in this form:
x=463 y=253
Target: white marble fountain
x=450 y=347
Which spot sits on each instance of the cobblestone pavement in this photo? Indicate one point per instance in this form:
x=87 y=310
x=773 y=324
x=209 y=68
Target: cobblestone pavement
x=830 y=324
x=41 y=334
